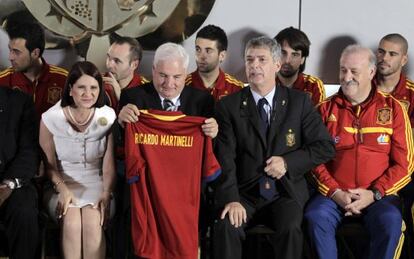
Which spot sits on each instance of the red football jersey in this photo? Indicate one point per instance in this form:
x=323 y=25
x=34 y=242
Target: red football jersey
x=46 y=90
x=167 y=156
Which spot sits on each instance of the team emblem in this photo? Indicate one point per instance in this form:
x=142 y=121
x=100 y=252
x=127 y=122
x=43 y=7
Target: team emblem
x=102 y=121
x=384 y=116
x=53 y=94
x=290 y=138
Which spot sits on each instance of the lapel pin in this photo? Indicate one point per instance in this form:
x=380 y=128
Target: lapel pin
x=283 y=102
x=102 y=121
x=244 y=103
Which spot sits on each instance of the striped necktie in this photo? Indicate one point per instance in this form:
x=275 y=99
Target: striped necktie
x=168 y=105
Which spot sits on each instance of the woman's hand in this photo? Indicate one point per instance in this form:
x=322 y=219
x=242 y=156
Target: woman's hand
x=64 y=199
x=103 y=205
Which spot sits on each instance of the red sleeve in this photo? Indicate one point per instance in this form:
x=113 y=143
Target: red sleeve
x=325 y=182
x=132 y=154
x=211 y=167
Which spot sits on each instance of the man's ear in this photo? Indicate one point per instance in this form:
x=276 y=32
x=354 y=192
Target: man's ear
x=372 y=72
x=222 y=55
x=35 y=53
x=404 y=60
x=135 y=64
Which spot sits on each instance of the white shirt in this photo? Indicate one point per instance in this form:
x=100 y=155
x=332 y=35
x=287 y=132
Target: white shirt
x=269 y=98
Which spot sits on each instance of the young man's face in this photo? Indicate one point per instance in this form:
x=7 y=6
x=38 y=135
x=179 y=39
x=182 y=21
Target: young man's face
x=291 y=61
x=390 y=58
x=208 y=57
x=19 y=56
x=118 y=61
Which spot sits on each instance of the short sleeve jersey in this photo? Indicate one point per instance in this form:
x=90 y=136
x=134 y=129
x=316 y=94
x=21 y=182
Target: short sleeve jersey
x=167 y=157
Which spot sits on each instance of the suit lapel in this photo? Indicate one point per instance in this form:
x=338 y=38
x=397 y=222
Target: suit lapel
x=278 y=112
x=248 y=110
x=183 y=99
x=155 y=101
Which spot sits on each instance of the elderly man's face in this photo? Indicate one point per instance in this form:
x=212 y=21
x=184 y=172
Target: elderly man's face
x=355 y=76
x=260 y=67
x=169 y=78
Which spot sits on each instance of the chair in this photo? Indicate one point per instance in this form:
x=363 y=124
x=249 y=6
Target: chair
x=353 y=239
x=258 y=242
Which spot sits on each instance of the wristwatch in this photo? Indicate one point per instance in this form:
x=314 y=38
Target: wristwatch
x=11 y=184
x=377 y=194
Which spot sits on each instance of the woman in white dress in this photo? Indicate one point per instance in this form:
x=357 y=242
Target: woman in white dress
x=75 y=135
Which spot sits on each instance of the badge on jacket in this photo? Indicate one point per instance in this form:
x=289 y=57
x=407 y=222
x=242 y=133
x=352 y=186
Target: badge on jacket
x=290 y=138
x=384 y=116
x=102 y=121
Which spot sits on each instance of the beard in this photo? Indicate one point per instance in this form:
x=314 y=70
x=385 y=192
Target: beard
x=25 y=65
x=386 y=70
x=206 y=67
x=288 y=71
x=22 y=68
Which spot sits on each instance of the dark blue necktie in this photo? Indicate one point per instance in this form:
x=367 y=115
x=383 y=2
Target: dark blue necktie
x=264 y=120
x=267 y=184
x=267 y=187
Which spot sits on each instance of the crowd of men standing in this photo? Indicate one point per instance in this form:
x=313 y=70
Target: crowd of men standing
x=270 y=138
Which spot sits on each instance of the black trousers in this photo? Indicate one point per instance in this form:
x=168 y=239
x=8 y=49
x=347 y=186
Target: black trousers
x=121 y=222
x=283 y=215
x=19 y=214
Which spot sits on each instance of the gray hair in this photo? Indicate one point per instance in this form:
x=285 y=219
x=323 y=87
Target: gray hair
x=354 y=48
x=265 y=42
x=171 y=51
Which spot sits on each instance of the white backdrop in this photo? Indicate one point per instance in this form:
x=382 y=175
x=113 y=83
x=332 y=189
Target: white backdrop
x=329 y=24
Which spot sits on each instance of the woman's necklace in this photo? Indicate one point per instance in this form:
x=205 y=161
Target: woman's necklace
x=80 y=123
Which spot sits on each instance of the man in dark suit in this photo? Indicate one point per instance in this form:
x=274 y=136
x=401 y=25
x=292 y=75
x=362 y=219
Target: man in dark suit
x=18 y=165
x=167 y=91
x=269 y=137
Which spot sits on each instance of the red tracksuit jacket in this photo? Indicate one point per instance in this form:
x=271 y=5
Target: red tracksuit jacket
x=374 y=145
